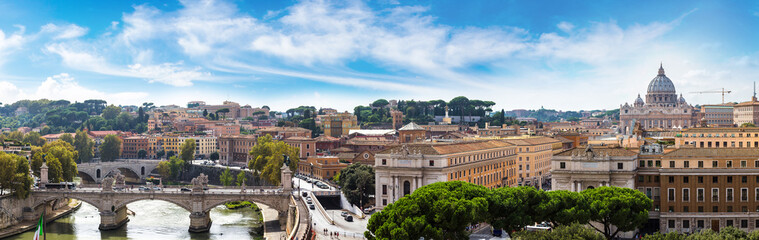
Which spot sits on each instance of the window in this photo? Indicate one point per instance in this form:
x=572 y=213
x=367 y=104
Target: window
x=620 y=165
x=700 y=224
x=562 y=165
x=744 y=179
x=715 y=179
x=714 y=164
x=658 y=163
x=744 y=223
x=384 y=189
x=715 y=194
x=384 y=202
x=729 y=194
x=642 y=163
x=640 y=178
x=671 y=194
x=715 y=209
x=700 y=208
x=672 y=164
x=671 y=223
x=729 y=164
x=744 y=194
x=686 y=223
x=686 y=195
x=729 y=179
x=432 y=163
x=700 y=194
x=384 y=161
x=700 y=179
x=686 y=164
x=701 y=164
x=671 y=179
x=756 y=164
x=729 y=208
x=743 y=163
x=686 y=179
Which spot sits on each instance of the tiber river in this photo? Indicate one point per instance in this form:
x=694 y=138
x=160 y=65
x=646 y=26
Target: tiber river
x=153 y=219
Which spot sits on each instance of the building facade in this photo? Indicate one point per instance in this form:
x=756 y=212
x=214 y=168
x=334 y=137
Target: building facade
x=718 y=138
x=402 y=169
x=582 y=168
x=661 y=109
x=235 y=150
x=323 y=168
x=533 y=160
x=747 y=112
x=719 y=115
x=339 y=124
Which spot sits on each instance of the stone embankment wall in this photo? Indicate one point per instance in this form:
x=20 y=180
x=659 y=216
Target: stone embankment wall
x=11 y=211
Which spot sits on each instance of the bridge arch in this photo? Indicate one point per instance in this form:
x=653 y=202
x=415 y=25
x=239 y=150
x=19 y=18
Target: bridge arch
x=86 y=177
x=211 y=205
x=39 y=202
x=181 y=204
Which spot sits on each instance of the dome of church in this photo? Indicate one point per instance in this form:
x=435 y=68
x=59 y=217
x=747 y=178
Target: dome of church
x=639 y=101
x=682 y=99
x=661 y=83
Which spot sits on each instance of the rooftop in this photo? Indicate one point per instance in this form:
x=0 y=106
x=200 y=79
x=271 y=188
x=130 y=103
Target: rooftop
x=714 y=152
x=448 y=148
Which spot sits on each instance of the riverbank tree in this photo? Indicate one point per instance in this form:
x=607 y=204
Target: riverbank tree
x=60 y=157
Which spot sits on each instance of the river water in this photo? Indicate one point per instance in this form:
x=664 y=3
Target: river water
x=153 y=219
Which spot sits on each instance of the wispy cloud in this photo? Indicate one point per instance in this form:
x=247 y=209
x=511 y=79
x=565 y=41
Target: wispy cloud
x=64 y=86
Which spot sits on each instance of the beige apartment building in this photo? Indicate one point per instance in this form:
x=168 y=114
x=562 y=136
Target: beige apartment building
x=339 y=124
x=402 y=169
x=733 y=137
x=533 y=159
x=746 y=112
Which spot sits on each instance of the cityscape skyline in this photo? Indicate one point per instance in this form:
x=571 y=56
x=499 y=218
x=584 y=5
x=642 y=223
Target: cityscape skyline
x=520 y=55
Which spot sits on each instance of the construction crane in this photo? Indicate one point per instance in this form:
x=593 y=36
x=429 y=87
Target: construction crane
x=723 y=91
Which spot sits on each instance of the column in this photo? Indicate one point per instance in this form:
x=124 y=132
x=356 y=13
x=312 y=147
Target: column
x=574 y=186
x=395 y=188
x=579 y=186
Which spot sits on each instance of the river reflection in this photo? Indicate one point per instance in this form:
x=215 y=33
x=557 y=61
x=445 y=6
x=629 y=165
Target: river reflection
x=153 y=219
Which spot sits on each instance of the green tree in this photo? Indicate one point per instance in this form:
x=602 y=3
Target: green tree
x=564 y=207
x=357 y=183
x=268 y=158
x=241 y=178
x=160 y=153
x=66 y=137
x=574 y=231
x=617 y=209
x=16 y=135
x=440 y=210
x=226 y=177
x=214 y=156
x=111 y=112
x=380 y=103
x=110 y=150
x=747 y=125
x=170 y=154
x=513 y=208
x=34 y=139
x=164 y=168
x=61 y=161
x=142 y=154
x=84 y=146
x=187 y=150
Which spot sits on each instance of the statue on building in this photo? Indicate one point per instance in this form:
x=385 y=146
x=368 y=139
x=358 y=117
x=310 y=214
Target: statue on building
x=108 y=184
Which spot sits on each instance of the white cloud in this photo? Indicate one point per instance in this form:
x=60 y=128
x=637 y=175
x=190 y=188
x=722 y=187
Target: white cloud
x=9 y=92
x=9 y=43
x=64 y=32
x=167 y=73
x=64 y=86
x=565 y=26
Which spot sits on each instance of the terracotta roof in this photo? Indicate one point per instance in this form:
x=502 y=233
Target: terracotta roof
x=325 y=138
x=56 y=135
x=298 y=139
x=346 y=155
x=449 y=148
x=714 y=152
x=723 y=129
x=602 y=151
x=369 y=141
x=531 y=141
x=284 y=129
x=563 y=139
x=411 y=127
x=103 y=133
x=341 y=149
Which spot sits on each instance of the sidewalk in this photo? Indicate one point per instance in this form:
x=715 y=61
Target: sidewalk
x=24 y=226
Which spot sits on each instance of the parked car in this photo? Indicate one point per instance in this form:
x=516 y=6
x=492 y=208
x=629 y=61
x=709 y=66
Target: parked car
x=368 y=210
x=156 y=189
x=184 y=189
x=305 y=194
x=309 y=201
x=308 y=180
x=324 y=186
x=311 y=206
x=349 y=218
x=144 y=188
x=344 y=214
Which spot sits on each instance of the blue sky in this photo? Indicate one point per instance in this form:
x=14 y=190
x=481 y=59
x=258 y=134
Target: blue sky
x=567 y=55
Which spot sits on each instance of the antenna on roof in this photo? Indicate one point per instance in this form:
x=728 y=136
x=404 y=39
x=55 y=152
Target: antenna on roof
x=754 y=88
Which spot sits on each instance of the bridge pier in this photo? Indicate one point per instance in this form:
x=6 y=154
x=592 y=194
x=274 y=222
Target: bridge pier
x=200 y=222
x=110 y=220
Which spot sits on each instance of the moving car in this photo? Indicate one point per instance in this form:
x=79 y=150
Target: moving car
x=184 y=189
x=349 y=218
x=309 y=201
x=156 y=189
x=311 y=206
x=344 y=214
x=144 y=188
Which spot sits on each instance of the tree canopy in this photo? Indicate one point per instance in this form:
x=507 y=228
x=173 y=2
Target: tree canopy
x=110 y=150
x=61 y=161
x=267 y=158
x=14 y=175
x=84 y=146
x=357 y=183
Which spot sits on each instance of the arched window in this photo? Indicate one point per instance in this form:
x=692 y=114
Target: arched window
x=97 y=173
x=142 y=170
x=406 y=188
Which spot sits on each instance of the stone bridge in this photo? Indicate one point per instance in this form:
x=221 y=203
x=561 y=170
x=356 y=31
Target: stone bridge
x=112 y=204
x=97 y=171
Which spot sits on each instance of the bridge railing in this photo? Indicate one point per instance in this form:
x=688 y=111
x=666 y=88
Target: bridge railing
x=135 y=191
